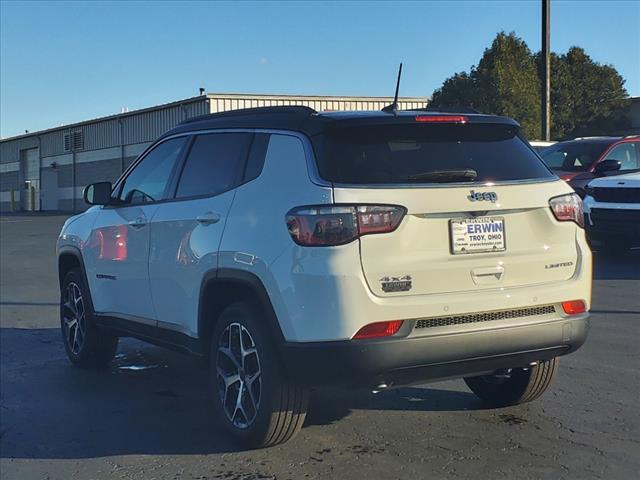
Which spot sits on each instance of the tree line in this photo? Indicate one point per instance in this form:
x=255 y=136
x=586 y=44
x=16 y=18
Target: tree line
x=587 y=98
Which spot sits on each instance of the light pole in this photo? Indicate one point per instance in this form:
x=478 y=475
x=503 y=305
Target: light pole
x=546 y=75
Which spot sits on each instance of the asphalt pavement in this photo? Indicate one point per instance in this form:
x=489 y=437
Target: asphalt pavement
x=147 y=416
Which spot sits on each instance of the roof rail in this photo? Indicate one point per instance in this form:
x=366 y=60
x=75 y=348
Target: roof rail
x=279 y=109
x=632 y=136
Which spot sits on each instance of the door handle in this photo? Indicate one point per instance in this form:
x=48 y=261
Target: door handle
x=138 y=222
x=208 y=218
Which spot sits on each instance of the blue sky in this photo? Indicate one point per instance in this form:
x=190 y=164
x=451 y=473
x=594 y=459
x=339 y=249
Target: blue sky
x=62 y=62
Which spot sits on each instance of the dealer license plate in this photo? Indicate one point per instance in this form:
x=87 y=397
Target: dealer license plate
x=477 y=235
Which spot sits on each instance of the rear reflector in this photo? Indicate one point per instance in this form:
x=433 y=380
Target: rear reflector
x=574 y=307
x=379 y=329
x=442 y=119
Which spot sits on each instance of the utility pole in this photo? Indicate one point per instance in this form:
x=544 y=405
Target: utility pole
x=546 y=75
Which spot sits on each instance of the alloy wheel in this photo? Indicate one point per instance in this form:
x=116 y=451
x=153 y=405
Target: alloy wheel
x=239 y=375
x=73 y=317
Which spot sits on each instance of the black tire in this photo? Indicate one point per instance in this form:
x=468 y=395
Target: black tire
x=281 y=404
x=523 y=385
x=85 y=343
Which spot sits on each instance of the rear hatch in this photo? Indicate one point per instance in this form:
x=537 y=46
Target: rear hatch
x=477 y=201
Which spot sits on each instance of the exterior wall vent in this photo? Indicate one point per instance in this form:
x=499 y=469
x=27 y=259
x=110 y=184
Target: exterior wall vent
x=74 y=141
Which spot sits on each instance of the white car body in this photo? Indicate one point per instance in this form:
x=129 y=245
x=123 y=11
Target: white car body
x=328 y=294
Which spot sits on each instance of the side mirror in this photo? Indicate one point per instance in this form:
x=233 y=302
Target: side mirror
x=97 y=193
x=608 y=166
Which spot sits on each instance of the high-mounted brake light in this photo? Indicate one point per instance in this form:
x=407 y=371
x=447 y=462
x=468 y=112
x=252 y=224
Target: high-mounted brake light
x=574 y=307
x=339 y=224
x=379 y=329
x=442 y=119
x=567 y=208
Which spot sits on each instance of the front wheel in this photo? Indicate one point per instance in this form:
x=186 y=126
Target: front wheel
x=514 y=386
x=85 y=343
x=253 y=399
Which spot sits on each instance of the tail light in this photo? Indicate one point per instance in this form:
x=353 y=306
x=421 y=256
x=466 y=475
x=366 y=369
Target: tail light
x=568 y=208
x=339 y=224
x=574 y=307
x=378 y=329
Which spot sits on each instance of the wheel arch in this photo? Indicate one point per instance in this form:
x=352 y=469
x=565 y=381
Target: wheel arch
x=224 y=286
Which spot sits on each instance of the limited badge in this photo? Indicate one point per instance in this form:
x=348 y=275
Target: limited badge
x=396 y=284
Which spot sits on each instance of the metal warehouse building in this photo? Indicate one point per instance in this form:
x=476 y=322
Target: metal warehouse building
x=47 y=170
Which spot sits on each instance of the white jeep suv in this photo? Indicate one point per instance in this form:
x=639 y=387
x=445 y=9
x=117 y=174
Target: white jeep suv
x=293 y=249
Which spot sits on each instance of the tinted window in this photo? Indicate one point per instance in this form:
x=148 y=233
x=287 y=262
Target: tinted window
x=573 y=156
x=386 y=154
x=255 y=162
x=626 y=154
x=149 y=180
x=214 y=164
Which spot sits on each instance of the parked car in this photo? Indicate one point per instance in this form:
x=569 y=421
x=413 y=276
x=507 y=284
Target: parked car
x=292 y=249
x=580 y=160
x=539 y=145
x=612 y=212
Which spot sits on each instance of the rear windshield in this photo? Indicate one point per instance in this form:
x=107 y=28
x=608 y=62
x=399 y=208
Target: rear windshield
x=573 y=157
x=388 y=154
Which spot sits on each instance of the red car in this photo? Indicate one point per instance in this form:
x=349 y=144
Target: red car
x=580 y=160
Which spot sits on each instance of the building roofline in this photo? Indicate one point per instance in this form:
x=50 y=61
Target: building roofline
x=105 y=118
x=264 y=96
x=209 y=96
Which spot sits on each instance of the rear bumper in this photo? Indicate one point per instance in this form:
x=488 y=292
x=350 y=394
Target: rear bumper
x=400 y=361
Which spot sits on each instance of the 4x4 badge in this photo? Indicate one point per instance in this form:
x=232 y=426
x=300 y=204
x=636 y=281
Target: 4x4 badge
x=480 y=196
x=396 y=284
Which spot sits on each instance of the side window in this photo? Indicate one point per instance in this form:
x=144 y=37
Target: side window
x=626 y=154
x=149 y=180
x=255 y=162
x=214 y=164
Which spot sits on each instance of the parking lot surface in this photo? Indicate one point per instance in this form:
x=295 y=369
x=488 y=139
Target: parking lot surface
x=147 y=416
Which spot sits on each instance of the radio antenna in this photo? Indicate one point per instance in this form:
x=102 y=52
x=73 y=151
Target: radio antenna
x=393 y=108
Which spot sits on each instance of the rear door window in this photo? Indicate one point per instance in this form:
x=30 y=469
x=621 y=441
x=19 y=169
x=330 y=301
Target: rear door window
x=214 y=164
x=404 y=154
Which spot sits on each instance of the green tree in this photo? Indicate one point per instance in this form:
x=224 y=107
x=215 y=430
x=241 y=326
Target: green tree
x=505 y=82
x=587 y=98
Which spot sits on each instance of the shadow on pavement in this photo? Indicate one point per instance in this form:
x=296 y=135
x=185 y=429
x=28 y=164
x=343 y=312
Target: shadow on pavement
x=149 y=401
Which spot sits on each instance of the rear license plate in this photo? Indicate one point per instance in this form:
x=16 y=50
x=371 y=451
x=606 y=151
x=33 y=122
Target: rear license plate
x=477 y=235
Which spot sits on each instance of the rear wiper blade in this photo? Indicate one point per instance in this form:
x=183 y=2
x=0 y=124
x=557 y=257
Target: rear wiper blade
x=443 y=176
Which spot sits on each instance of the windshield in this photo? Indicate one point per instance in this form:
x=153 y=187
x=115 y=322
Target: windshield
x=573 y=156
x=445 y=153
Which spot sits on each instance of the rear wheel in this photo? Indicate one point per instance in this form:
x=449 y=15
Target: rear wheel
x=254 y=401
x=514 y=386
